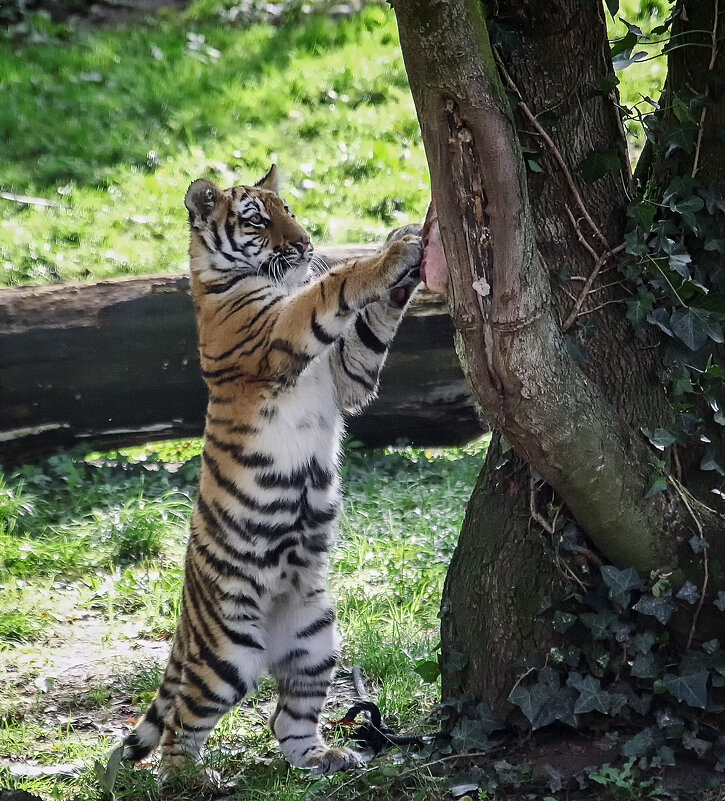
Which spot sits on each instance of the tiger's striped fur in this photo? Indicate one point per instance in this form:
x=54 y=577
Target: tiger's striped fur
x=282 y=353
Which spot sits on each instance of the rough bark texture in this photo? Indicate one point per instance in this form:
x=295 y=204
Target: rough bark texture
x=116 y=363
x=566 y=403
x=500 y=575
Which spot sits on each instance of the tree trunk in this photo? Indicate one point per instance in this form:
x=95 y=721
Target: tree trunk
x=564 y=395
x=116 y=363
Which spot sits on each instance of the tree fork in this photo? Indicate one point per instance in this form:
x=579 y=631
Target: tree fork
x=507 y=338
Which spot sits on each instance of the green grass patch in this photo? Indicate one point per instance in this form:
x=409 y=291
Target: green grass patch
x=81 y=538
x=111 y=125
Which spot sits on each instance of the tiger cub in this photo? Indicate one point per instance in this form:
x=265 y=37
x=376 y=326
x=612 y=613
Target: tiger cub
x=283 y=353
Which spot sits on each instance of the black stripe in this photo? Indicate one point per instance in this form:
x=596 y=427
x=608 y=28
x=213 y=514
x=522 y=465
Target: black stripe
x=201 y=710
x=273 y=507
x=321 y=478
x=368 y=337
x=153 y=716
x=226 y=671
x=222 y=286
x=254 y=459
x=294 y=737
x=343 y=308
x=354 y=376
x=245 y=300
x=319 y=331
x=299 y=357
x=307 y=691
x=325 y=620
x=201 y=684
x=292 y=713
x=295 y=480
x=226 y=568
x=321 y=667
x=290 y=657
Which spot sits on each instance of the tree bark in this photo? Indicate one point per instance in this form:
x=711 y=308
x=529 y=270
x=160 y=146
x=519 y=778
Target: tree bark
x=116 y=363
x=575 y=422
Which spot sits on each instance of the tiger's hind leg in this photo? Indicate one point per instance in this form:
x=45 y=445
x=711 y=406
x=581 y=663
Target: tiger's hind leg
x=209 y=688
x=305 y=643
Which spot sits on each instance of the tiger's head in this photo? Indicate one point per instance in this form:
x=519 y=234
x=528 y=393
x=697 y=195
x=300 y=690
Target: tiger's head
x=246 y=229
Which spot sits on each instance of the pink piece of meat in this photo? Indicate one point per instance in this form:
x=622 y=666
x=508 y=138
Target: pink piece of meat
x=434 y=268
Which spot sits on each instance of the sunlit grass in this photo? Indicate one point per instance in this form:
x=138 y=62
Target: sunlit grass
x=105 y=534
x=112 y=125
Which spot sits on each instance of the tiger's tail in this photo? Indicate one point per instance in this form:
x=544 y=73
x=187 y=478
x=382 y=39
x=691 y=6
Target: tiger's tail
x=146 y=734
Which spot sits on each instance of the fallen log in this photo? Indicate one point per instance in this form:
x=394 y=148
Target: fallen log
x=115 y=363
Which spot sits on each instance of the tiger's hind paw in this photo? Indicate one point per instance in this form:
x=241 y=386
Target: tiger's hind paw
x=333 y=760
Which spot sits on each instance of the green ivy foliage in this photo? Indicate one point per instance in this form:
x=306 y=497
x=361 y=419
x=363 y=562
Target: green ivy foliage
x=625 y=665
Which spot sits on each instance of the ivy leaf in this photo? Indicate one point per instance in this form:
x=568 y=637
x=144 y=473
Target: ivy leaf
x=679 y=259
x=661 y=318
x=598 y=163
x=641 y=744
x=659 y=608
x=545 y=701
x=688 y=592
x=591 y=696
x=465 y=783
x=621 y=583
x=613 y=7
x=720 y=601
x=681 y=136
x=661 y=438
x=643 y=214
x=598 y=623
x=691 y=690
x=689 y=328
x=625 y=44
x=715 y=244
x=624 y=60
x=469 y=735
x=644 y=667
x=698 y=544
x=428 y=670
x=563 y=621
x=643 y=642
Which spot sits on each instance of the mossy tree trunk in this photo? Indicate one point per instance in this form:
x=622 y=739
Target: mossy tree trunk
x=540 y=318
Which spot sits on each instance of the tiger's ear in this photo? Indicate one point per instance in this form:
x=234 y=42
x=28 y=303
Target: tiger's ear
x=201 y=200
x=270 y=180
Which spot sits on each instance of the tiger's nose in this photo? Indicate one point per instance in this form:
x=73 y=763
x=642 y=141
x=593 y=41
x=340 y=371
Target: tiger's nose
x=301 y=246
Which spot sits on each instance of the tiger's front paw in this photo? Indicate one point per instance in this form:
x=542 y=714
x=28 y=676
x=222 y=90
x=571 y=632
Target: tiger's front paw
x=405 y=255
x=402 y=260
x=333 y=760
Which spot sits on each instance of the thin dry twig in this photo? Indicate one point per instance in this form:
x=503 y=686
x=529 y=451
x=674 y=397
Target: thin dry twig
x=555 y=152
x=359 y=683
x=705 y=566
x=534 y=512
x=599 y=261
x=713 y=57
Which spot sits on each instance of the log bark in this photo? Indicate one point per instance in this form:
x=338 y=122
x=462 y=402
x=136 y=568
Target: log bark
x=115 y=363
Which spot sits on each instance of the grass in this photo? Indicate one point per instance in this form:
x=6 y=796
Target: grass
x=111 y=124
x=113 y=134
x=101 y=538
